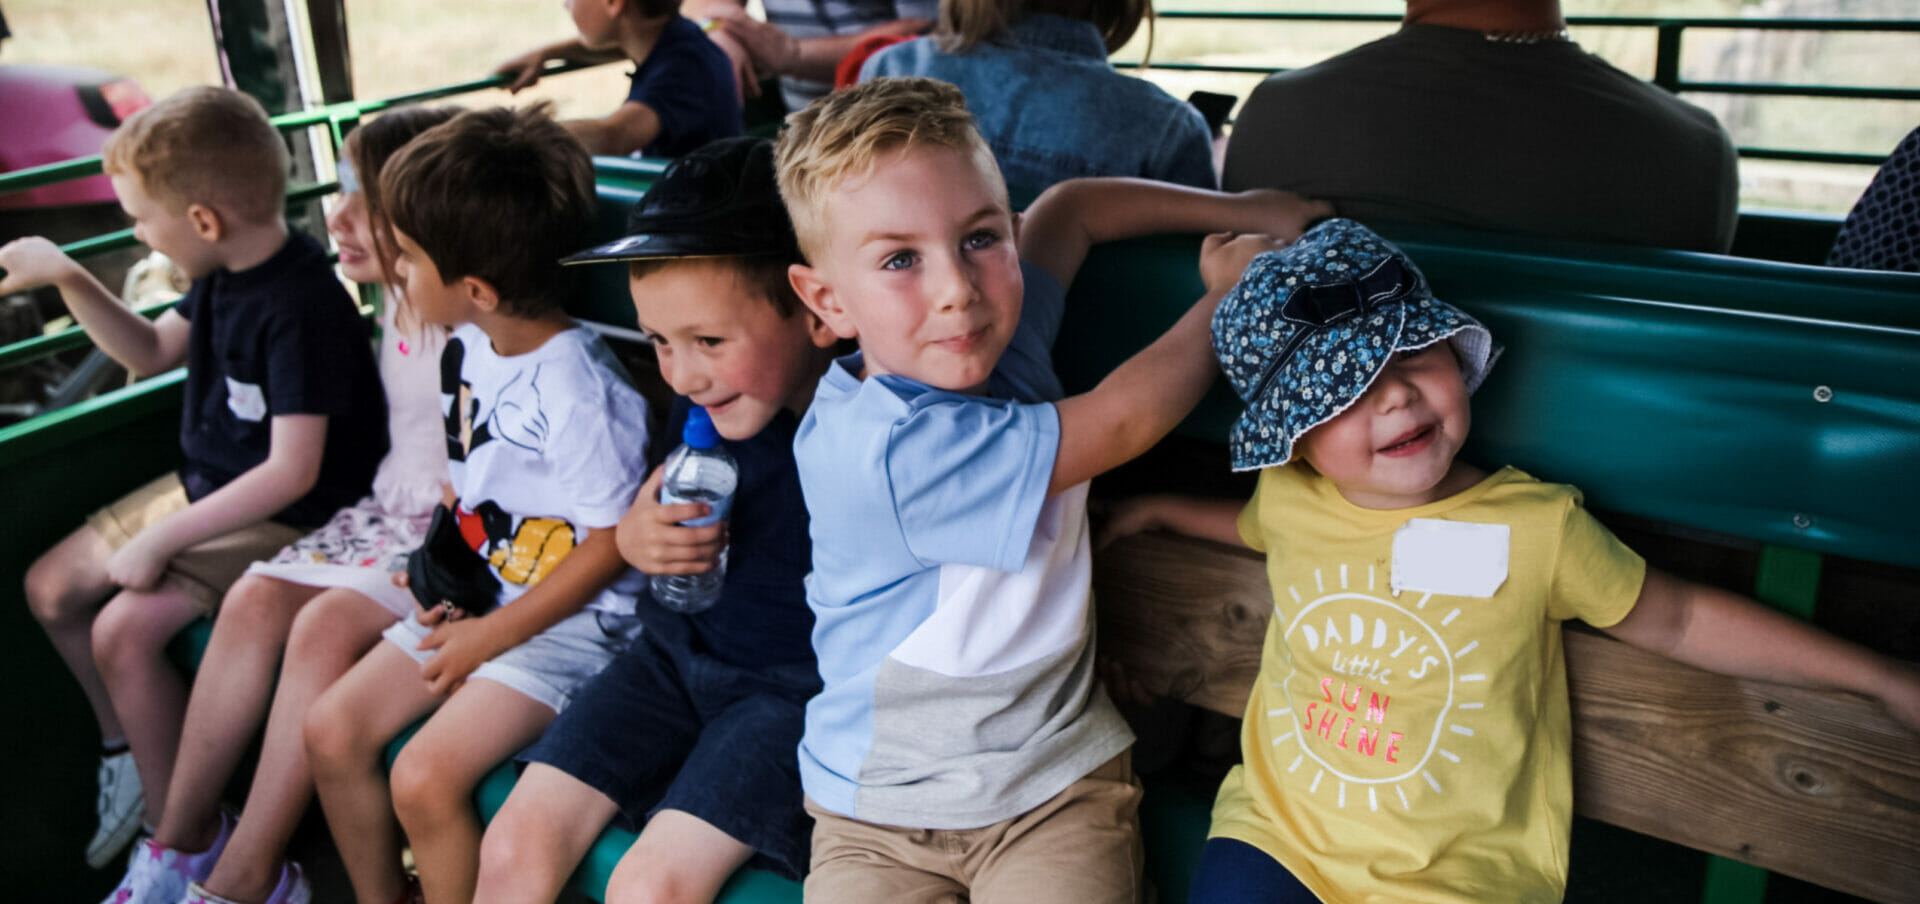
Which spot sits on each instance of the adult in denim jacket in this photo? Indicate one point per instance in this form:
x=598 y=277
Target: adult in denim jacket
x=1046 y=99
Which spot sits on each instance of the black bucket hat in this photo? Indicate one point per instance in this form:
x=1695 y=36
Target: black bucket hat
x=719 y=200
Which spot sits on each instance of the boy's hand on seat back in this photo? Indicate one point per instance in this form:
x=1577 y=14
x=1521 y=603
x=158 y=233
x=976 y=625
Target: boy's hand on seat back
x=1224 y=256
x=651 y=539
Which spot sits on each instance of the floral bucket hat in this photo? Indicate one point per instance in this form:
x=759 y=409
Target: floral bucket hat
x=1309 y=327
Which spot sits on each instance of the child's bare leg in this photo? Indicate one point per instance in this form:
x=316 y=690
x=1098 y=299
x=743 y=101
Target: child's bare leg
x=328 y=636
x=228 y=702
x=679 y=858
x=483 y=723
x=65 y=587
x=540 y=834
x=130 y=646
x=346 y=732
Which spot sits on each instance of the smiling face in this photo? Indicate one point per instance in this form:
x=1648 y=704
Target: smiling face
x=723 y=345
x=920 y=265
x=352 y=232
x=1395 y=447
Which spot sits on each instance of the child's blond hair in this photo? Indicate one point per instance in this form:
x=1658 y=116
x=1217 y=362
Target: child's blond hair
x=204 y=145
x=844 y=134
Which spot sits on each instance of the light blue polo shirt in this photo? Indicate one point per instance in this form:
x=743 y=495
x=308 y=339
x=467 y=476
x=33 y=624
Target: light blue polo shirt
x=952 y=596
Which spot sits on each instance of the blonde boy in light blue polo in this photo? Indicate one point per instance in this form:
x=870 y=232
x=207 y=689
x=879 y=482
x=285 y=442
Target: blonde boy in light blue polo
x=945 y=477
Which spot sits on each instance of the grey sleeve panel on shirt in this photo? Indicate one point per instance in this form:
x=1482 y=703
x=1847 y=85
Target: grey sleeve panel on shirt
x=1022 y=736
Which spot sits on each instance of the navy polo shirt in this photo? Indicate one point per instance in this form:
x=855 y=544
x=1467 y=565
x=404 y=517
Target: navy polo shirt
x=762 y=617
x=282 y=337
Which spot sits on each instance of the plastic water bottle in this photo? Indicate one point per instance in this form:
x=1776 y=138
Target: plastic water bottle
x=700 y=470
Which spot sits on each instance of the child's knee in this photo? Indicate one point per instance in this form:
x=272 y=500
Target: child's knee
x=257 y=608
x=512 y=852
x=52 y=591
x=641 y=880
x=331 y=733
x=126 y=632
x=423 y=792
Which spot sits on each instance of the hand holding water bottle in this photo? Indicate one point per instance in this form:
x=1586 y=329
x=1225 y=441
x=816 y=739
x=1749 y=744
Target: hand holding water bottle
x=651 y=539
x=702 y=471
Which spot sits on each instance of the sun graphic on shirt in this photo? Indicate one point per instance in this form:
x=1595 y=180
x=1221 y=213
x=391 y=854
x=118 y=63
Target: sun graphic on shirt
x=1357 y=647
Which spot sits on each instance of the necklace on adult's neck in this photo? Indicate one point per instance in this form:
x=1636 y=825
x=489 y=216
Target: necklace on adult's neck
x=1538 y=36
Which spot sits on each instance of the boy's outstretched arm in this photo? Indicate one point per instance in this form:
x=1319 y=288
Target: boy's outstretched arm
x=463 y=644
x=629 y=128
x=291 y=469
x=1730 y=634
x=1072 y=216
x=527 y=68
x=142 y=346
x=1148 y=394
x=1194 y=516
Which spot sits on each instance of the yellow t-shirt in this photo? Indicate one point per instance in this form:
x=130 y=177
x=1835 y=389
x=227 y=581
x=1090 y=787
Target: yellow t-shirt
x=1415 y=747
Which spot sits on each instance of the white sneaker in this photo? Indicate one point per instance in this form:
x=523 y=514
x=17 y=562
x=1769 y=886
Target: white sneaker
x=120 y=807
x=157 y=874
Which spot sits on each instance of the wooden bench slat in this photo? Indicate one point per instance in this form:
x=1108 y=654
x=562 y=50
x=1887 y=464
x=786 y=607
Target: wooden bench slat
x=1821 y=786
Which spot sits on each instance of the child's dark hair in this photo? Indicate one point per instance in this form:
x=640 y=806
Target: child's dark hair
x=497 y=194
x=369 y=147
x=763 y=274
x=654 y=9
x=966 y=23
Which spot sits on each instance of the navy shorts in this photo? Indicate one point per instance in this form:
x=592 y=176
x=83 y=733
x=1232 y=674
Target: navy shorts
x=665 y=727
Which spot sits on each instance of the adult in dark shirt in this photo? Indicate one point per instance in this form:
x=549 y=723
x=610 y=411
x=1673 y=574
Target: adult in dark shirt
x=1482 y=113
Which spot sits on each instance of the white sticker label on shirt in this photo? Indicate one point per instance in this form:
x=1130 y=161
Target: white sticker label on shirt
x=246 y=400
x=1451 y=558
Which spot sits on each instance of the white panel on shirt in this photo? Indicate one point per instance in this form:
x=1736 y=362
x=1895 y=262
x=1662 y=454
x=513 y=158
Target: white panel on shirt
x=989 y=621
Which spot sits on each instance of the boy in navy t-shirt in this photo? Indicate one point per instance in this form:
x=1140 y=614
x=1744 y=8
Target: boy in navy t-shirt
x=689 y=735
x=682 y=94
x=283 y=423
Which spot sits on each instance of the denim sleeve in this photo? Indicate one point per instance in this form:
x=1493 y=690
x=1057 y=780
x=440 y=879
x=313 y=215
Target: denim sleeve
x=1185 y=155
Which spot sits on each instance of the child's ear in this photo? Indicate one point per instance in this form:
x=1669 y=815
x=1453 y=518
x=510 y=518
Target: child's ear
x=818 y=331
x=819 y=298
x=480 y=293
x=206 y=222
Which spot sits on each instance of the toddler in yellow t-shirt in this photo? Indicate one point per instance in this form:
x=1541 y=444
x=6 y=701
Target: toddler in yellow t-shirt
x=1408 y=736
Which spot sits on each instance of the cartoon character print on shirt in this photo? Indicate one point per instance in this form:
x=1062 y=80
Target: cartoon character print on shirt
x=523 y=552
x=1380 y=685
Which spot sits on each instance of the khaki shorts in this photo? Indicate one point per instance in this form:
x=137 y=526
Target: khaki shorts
x=1080 y=847
x=204 y=570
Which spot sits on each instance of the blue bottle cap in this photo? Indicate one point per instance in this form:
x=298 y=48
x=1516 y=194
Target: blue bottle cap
x=699 y=432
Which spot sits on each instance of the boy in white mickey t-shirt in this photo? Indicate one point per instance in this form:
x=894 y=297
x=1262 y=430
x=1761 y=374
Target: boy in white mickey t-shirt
x=546 y=446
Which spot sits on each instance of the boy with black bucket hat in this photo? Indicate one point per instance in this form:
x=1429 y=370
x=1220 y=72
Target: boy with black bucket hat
x=689 y=736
